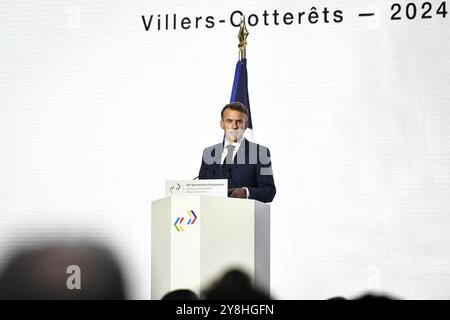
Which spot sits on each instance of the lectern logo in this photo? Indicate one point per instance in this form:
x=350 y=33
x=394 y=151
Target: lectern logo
x=175 y=188
x=179 y=221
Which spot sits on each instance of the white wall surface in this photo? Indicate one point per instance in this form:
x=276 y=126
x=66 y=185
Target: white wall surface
x=96 y=113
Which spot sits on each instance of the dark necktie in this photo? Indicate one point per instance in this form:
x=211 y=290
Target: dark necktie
x=228 y=161
x=229 y=156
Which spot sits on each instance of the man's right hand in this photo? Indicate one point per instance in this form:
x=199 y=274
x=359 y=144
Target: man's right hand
x=238 y=193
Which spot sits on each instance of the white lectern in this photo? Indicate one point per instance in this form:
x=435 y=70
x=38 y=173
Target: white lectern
x=196 y=238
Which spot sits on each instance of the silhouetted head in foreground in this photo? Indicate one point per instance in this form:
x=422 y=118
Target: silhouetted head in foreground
x=374 y=296
x=234 y=285
x=337 y=298
x=181 y=294
x=62 y=272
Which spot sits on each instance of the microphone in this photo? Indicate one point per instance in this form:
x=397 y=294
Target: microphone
x=200 y=173
x=206 y=174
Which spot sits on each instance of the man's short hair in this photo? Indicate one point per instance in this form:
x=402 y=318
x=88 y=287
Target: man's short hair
x=39 y=273
x=236 y=106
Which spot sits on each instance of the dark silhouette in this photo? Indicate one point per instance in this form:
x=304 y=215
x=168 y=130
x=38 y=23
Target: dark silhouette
x=234 y=285
x=337 y=298
x=42 y=273
x=374 y=296
x=181 y=294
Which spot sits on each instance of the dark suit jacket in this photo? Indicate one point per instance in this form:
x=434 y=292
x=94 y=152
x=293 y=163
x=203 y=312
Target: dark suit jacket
x=252 y=168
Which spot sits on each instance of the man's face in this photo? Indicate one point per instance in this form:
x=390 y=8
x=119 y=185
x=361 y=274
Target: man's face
x=234 y=124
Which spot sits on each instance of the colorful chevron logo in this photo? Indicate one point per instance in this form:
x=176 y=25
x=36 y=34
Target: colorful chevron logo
x=179 y=221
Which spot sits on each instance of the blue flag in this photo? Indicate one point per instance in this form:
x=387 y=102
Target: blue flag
x=239 y=93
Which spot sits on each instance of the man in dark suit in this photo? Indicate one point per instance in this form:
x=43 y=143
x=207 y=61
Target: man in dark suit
x=245 y=164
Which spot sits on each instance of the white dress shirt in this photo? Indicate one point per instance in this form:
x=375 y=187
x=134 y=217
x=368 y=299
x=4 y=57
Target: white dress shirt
x=236 y=145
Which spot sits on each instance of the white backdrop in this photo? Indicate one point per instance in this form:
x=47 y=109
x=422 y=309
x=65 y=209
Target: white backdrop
x=96 y=113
